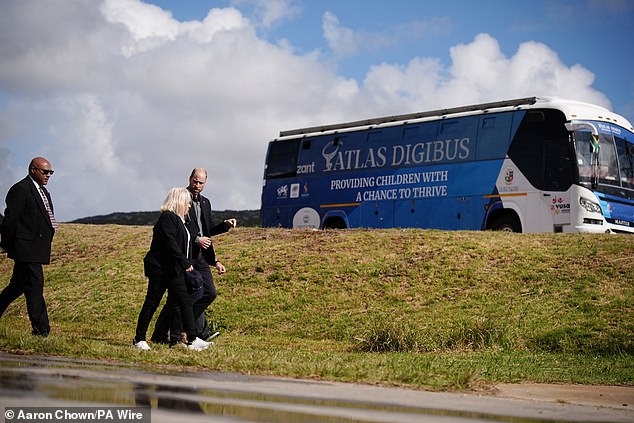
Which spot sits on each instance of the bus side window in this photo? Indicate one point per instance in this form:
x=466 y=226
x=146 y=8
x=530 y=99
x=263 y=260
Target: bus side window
x=625 y=152
x=541 y=150
x=494 y=136
x=583 y=146
x=608 y=162
x=410 y=132
x=282 y=159
x=557 y=165
x=374 y=137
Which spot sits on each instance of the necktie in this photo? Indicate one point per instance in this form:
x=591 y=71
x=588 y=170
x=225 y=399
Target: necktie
x=48 y=207
x=197 y=212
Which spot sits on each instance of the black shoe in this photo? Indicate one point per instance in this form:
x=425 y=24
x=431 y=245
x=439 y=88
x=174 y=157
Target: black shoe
x=43 y=334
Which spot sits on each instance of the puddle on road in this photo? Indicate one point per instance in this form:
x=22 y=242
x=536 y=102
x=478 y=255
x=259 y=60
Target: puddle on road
x=18 y=379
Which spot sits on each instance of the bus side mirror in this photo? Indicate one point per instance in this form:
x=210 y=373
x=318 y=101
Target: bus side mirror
x=577 y=125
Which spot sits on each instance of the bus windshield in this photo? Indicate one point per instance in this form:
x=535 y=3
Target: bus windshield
x=611 y=166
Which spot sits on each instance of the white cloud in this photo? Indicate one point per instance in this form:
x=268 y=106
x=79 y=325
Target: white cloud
x=125 y=101
x=268 y=13
x=480 y=72
x=143 y=21
x=341 y=40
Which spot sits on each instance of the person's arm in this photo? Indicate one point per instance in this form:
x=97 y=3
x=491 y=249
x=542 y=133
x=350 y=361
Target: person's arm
x=223 y=227
x=16 y=200
x=220 y=267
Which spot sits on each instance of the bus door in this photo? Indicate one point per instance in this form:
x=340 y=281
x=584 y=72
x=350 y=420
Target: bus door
x=558 y=176
x=542 y=153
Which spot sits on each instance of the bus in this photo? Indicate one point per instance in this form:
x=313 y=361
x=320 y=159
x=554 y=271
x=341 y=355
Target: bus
x=536 y=164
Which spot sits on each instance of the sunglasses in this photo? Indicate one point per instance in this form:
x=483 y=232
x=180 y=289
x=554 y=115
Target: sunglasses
x=44 y=171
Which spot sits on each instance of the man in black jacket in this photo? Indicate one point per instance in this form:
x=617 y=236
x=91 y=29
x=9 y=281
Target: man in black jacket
x=200 y=224
x=26 y=234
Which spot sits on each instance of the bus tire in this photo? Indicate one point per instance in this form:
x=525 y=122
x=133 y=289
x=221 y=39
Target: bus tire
x=334 y=223
x=506 y=223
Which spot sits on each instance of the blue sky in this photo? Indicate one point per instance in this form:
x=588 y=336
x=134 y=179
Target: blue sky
x=125 y=97
x=594 y=34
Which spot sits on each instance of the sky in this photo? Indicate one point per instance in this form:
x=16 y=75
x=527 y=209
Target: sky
x=126 y=97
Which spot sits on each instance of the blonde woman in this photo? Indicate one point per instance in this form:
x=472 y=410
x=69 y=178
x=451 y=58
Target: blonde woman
x=165 y=266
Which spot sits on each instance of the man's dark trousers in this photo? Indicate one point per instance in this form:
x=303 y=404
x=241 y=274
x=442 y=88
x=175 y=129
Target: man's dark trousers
x=28 y=279
x=169 y=318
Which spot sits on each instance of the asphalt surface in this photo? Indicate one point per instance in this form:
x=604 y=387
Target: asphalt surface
x=161 y=395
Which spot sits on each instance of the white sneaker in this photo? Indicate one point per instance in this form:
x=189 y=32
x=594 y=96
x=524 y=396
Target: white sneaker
x=198 y=345
x=142 y=345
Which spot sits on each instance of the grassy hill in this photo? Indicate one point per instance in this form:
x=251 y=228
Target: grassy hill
x=431 y=309
x=248 y=218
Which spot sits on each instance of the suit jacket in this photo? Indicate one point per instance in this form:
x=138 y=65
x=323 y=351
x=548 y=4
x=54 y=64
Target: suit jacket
x=208 y=229
x=167 y=256
x=26 y=231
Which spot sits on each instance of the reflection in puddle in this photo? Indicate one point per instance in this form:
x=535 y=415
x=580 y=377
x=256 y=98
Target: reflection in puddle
x=67 y=380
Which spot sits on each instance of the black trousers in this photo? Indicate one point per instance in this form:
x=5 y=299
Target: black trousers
x=169 y=323
x=28 y=279
x=177 y=290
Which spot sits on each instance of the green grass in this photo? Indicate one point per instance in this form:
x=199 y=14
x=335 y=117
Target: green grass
x=429 y=309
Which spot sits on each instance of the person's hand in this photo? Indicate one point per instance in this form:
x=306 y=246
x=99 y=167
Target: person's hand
x=232 y=222
x=190 y=268
x=204 y=242
x=220 y=268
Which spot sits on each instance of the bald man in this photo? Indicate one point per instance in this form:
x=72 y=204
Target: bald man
x=26 y=234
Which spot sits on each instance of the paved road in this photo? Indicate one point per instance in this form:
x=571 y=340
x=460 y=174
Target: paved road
x=37 y=381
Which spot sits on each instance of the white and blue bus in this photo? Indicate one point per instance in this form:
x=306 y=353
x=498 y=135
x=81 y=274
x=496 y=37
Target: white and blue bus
x=526 y=165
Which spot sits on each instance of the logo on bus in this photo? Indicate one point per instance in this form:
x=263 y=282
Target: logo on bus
x=307 y=168
x=282 y=192
x=328 y=153
x=508 y=178
x=559 y=206
x=439 y=151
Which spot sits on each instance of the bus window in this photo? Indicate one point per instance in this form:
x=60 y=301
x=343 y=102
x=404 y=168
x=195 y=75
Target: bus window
x=608 y=165
x=282 y=159
x=448 y=127
x=410 y=132
x=625 y=151
x=557 y=164
x=374 y=137
x=541 y=142
x=607 y=170
x=583 y=147
x=493 y=136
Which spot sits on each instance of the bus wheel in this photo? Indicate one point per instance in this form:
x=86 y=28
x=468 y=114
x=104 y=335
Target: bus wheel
x=334 y=224
x=506 y=223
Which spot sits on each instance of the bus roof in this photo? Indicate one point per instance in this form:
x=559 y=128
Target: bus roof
x=572 y=110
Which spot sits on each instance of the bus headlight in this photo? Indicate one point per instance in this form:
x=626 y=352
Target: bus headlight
x=590 y=206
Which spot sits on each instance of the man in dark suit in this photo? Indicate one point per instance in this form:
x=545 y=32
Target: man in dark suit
x=26 y=235
x=201 y=228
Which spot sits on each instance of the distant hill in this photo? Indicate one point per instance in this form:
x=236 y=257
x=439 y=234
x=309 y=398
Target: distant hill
x=248 y=218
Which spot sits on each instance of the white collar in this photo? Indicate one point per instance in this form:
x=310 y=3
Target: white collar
x=38 y=186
